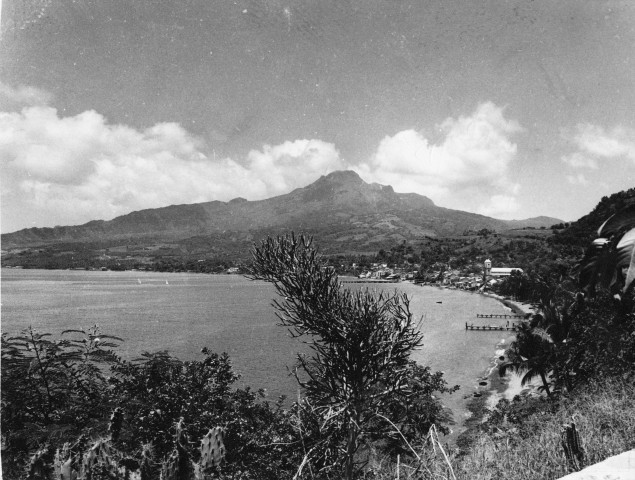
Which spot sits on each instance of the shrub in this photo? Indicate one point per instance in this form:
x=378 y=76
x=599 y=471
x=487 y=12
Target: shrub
x=360 y=384
x=158 y=390
x=52 y=390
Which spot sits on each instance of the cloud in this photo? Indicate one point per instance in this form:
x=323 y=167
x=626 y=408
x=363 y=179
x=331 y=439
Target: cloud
x=594 y=144
x=580 y=160
x=617 y=142
x=22 y=95
x=292 y=164
x=468 y=169
x=69 y=170
x=578 y=179
x=499 y=206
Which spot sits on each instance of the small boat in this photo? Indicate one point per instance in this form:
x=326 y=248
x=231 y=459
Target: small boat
x=166 y=282
x=439 y=302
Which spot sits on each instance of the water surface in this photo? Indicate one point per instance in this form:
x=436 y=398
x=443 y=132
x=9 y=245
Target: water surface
x=183 y=313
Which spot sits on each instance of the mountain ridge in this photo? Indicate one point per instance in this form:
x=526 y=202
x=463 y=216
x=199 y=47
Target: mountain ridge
x=339 y=207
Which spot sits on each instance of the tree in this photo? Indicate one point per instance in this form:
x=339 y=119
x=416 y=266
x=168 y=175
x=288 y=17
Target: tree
x=528 y=354
x=540 y=340
x=361 y=344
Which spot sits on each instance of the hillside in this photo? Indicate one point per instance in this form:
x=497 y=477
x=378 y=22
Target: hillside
x=581 y=232
x=344 y=214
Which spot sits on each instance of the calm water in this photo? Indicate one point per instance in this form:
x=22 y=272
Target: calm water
x=183 y=313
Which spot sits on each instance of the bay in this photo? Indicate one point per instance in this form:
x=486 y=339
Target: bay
x=182 y=313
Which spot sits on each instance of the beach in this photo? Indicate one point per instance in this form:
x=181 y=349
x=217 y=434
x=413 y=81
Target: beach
x=493 y=387
x=510 y=385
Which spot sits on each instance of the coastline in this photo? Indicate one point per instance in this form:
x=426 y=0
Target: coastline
x=483 y=388
x=496 y=387
x=478 y=356
x=510 y=385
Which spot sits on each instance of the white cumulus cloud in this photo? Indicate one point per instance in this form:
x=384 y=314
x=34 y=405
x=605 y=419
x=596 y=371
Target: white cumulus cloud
x=594 y=144
x=69 y=170
x=22 y=95
x=469 y=169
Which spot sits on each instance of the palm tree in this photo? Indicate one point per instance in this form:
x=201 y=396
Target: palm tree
x=609 y=262
x=530 y=354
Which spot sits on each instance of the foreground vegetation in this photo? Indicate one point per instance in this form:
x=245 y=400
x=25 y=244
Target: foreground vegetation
x=580 y=347
x=362 y=393
x=523 y=438
x=71 y=408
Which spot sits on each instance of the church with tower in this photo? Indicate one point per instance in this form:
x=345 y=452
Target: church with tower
x=498 y=272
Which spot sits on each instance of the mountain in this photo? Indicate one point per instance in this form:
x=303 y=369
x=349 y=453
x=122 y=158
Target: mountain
x=343 y=212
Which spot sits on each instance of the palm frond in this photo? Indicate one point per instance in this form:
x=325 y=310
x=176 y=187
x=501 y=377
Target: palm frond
x=617 y=222
x=543 y=334
x=528 y=377
x=615 y=249
x=626 y=257
x=630 y=274
x=505 y=366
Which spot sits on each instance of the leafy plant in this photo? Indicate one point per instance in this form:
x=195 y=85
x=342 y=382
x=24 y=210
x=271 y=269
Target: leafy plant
x=529 y=354
x=52 y=390
x=157 y=390
x=361 y=343
x=610 y=260
x=57 y=392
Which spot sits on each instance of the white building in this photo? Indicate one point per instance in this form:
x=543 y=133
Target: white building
x=499 y=272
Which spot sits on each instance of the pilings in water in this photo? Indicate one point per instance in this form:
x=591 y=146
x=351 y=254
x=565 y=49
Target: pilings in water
x=496 y=315
x=489 y=327
x=368 y=280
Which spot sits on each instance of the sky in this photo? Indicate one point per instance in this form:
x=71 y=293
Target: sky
x=511 y=109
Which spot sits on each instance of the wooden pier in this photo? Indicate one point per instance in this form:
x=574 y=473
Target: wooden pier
x=490 y=327
x=367 y=280
x=496 y=315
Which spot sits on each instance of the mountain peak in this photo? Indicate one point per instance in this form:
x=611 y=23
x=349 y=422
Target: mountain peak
x=342 y=177
x=340 y=206
x=345 y=188
x=349 y=179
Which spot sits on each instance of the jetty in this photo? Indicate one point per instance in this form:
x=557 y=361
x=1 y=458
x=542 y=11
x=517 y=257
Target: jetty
x=489 y=327
x=367 y=280
x=497 y=315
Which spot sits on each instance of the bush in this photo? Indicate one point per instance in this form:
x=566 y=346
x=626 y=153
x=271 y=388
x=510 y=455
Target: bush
x=56 y=393
x=360 y=384
x=157 y=391
x=52 y=390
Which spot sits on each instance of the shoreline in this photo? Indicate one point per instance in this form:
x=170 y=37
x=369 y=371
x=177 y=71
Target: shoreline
x=486 y=388
x=497 y=387
x=482 y=380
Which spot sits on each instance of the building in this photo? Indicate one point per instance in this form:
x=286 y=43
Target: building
x=499 y=271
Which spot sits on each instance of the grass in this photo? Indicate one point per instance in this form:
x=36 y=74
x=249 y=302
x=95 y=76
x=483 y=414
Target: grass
x=604 y=416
